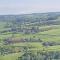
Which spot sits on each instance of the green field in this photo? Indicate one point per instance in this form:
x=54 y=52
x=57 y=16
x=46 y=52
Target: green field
x=34 y=36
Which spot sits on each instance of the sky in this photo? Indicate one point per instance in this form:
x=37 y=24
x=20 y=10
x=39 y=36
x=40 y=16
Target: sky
x=28 y=6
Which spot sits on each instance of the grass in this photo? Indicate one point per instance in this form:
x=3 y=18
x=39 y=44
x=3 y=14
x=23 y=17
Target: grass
x=29 y=44
x=50 y=35
x=12 y=56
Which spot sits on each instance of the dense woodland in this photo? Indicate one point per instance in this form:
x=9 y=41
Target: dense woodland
x=33 y=36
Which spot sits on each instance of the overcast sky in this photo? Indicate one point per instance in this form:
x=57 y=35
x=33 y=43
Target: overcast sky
x=28 y=6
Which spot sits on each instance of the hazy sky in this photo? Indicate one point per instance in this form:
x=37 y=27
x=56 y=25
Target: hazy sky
x=28 y=6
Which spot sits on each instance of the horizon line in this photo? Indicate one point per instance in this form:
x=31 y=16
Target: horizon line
x=32 y=13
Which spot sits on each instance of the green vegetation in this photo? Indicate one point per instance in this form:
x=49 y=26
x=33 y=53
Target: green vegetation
x=30 y=36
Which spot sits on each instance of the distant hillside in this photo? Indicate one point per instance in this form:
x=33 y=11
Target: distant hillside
x=42 y=18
